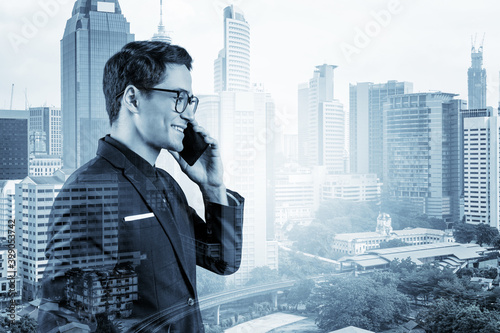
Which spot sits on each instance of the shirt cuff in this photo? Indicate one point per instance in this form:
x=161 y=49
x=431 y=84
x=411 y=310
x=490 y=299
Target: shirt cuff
x=232 y=199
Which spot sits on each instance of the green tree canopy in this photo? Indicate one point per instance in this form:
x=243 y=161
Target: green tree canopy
x=25 y=324
x=362 y=302
x=496 y=242
x=485 y=234
x=209 y=283
x=448 y=316
x=403 y=266
x=393 y=243
x=464 y=232
x=263 y=274
x=299 y=293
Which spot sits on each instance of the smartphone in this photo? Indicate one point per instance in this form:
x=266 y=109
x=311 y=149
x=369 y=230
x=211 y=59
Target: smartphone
x=194 y=145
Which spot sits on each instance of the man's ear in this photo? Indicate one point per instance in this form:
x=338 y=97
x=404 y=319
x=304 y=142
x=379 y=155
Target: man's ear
x=130 y=99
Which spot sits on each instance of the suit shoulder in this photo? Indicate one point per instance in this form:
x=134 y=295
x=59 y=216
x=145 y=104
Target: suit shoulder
x=97 y=169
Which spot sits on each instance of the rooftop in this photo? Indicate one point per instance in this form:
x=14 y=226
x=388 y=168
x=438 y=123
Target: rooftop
x=399 y=233
x=448 y=254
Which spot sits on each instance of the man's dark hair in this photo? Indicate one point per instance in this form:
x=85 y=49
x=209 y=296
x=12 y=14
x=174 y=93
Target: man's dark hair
x=142 y=64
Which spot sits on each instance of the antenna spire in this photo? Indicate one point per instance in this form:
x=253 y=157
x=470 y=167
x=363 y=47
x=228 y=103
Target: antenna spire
x=162 y=34
x=161 y=13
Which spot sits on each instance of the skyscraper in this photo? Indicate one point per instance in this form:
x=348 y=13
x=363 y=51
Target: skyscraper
x=244 y=133
x=45 y=131
x=481 y=166
x=13 y=144
x=232 y=67
x=7 y=205
x=96 y=30
x=34 y=199
x=423 y=152
x=322 y=140
x=477 y=79
x=366 y=101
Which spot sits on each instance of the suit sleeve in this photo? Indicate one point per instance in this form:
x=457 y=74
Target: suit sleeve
x=219 y=241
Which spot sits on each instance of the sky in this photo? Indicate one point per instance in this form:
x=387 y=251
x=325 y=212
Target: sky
x=426 y=42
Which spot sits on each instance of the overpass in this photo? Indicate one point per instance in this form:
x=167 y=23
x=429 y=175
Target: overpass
x=159 y=320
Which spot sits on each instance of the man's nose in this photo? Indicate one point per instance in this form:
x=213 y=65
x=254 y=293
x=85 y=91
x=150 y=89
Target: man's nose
x=188 y=114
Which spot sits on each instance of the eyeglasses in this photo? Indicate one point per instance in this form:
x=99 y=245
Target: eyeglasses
x=181 y=101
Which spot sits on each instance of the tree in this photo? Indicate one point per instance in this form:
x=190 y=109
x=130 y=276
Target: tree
x=263 y=274
x=488 y=272
x=361 y=302
x=393 y=243
x=298 y=266
x=448 y=316
x=209 y=283
x=423 y=281
x=332 y=217
x=105 y=325
x=485 y=234
x=315 y=239
x=25 y=324
x=496 y=242
x=464 y=233
x=404 y=266
x=299 y=293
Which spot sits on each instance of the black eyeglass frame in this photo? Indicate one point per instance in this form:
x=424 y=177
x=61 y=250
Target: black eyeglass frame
x=190 y=99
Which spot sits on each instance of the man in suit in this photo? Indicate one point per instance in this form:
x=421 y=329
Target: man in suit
x=123 y=241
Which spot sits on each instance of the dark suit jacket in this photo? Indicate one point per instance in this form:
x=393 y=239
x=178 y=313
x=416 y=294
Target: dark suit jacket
x=128 y=244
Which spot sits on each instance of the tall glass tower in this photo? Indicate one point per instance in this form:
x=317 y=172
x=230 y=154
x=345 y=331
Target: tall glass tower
x=322 y=119
x=366 y=132
x=96 y=30
x=477 y=79
x=244 y=120
x=232 y=67
x=423 y=147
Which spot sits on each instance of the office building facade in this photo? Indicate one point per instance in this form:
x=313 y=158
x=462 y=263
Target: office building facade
x=423 y=152
x=366 y=132
x=7 y=205
x=34 y=199
x=44 y=165
x=297 y=193
x=481 y=166
x=45 y=131
x=13 y=144
x=10 y=283
x=352 y=187
x=243 y=118
x=321 y=131
x=95 y=31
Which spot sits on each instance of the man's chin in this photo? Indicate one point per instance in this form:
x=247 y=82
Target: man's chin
x=175 y=148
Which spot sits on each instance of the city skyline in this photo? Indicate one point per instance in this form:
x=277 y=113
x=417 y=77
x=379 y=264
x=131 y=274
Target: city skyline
x=437 y=36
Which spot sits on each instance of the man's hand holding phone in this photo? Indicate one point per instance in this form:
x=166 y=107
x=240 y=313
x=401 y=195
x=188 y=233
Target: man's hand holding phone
x=200 y=160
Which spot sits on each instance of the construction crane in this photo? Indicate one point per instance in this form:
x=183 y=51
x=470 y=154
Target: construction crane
x=473 y=42
x=482 y=42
